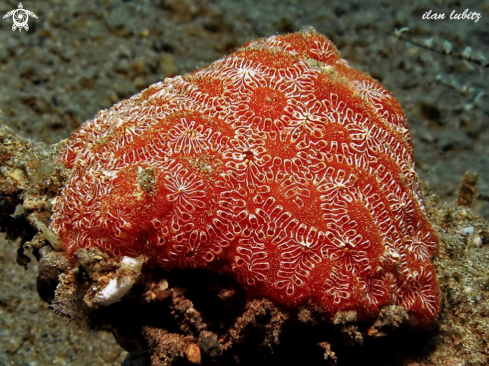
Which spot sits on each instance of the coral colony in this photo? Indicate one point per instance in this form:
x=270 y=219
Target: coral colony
x=278 y=165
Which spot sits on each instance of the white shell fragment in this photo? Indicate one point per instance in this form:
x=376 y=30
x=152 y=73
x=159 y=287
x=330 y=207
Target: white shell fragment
x=478 y=241
x=117 y=287
x=469 y=230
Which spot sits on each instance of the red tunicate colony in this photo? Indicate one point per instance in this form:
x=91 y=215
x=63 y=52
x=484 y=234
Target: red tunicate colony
x=279 y=165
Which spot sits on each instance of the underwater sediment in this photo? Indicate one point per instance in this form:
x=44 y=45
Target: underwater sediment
x=196 y=314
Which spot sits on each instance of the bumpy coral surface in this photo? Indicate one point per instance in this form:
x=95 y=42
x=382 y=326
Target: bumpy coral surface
x=279 y=165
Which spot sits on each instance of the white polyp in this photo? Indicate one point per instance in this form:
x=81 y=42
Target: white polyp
x=117 y=287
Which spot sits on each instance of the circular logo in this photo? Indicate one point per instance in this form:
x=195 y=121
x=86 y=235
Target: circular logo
x=20 y=17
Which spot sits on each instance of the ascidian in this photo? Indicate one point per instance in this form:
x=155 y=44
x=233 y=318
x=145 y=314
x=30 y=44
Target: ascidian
x=279 y=165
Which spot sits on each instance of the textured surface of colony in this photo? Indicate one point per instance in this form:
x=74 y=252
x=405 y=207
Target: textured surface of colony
x=279 y=164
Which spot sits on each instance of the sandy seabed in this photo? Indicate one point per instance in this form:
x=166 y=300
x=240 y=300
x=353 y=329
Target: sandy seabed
x=79 y=57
